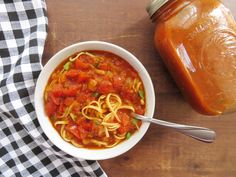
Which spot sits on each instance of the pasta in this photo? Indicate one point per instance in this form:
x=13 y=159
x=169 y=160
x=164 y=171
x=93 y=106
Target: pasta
x=89 y=99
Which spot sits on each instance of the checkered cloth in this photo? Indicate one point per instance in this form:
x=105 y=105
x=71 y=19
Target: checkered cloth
x=24 y=148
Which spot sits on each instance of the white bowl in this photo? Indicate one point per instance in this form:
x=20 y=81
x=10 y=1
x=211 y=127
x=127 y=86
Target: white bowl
x=52 y=134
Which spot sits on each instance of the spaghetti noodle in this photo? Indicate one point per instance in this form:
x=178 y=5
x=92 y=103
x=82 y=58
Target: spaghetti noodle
x=89 y=99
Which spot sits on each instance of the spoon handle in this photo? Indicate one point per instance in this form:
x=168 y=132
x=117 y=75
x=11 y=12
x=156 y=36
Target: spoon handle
x=199 y=133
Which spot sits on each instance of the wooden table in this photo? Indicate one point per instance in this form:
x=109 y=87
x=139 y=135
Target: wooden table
x=162 y=152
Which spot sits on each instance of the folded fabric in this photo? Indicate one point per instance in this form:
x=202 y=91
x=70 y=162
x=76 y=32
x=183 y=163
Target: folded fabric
x=24 y=148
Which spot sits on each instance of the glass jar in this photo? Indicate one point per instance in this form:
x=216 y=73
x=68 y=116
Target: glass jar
x=197 y=41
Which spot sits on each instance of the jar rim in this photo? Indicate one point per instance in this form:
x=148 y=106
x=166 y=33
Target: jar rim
x=154 y=5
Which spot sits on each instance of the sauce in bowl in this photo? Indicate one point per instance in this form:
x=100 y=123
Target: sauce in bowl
x=89 y=99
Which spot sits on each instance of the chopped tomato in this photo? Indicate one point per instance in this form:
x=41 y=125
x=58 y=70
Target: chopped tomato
x=81 y=65
x=61 y=109
x=105 y=87
x=84 y=97
x=82 y=77
x=129 y=94
x=98 y=131
x=139 y=110
x=68 y=101
x=57 y=90
x=117 y=82
x=72 y=74
x=80 y=130
x=79 y=120
x=69 y=92
x=126 y=124
x=133 y=74
x=86 y=59
x=73 y=129
x=50 y=108
x=117 y=62
x=87 y=125
x=57 y=93
x=55 y=99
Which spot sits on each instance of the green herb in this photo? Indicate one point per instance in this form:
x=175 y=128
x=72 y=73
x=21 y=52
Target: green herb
x=128 y=135
x=95 y=94
x=141 y=94
x=96 y=64
x=53 y=118
x=134 y=121
x=67 y=66
x=96 y=122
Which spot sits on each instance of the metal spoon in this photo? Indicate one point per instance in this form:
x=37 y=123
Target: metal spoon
x=199 y=133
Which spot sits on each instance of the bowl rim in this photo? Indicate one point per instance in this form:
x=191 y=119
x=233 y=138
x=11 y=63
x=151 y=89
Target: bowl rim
x=49 y=130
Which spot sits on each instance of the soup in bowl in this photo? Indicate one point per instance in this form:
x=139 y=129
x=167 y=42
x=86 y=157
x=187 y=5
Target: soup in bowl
x=85 y=96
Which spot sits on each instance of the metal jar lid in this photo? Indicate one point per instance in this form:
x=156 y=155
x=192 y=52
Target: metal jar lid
x=154 y=6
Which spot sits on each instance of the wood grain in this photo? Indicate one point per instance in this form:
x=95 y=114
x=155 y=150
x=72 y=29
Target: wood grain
x=162 y=152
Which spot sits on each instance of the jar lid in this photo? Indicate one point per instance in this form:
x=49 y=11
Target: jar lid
x=154 y=5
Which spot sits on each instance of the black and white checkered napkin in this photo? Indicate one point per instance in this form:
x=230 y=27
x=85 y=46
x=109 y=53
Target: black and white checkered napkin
x=24 y=148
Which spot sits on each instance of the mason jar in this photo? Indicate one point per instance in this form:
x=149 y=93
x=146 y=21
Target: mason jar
x=196 y=39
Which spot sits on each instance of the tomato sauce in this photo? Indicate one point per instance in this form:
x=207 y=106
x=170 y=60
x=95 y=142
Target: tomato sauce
x=83 y=80
x=197 y=41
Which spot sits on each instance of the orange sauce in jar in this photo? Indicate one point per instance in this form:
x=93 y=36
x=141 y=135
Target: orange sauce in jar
x=197 y=41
